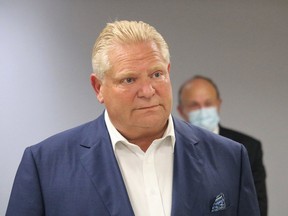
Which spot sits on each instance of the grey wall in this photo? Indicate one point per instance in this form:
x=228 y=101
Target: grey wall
x=45 y=49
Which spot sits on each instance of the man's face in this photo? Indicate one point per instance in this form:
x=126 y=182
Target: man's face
x=136 y=90
x=196 y=95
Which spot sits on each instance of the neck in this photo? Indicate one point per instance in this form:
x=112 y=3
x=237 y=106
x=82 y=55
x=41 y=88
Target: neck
x=145 y=141
x=144 y=137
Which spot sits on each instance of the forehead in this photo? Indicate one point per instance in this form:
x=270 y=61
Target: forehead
x=199 y=88
x=137 y=52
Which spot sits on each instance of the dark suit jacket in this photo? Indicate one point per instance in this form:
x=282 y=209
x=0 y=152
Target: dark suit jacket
x=255 y=154
x=75 y=173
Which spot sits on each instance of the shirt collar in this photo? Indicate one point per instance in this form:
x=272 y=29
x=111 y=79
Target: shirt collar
x=116 y=137
x=216 y=130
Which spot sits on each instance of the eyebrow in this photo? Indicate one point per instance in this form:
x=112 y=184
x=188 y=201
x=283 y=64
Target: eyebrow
x=157 y=67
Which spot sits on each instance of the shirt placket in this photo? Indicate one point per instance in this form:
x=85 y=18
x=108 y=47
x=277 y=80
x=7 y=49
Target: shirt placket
x=151 y=186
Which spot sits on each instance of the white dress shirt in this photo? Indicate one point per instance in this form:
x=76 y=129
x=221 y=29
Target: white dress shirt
x=148 y=176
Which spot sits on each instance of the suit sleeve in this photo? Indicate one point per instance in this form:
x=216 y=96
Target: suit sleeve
x=248 y=204
x=259 y=175
x=26 y=197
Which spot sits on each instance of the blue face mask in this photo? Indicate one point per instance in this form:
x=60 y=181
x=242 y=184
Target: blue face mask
x=207 y=118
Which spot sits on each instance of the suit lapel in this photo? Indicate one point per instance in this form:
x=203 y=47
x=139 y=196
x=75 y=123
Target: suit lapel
x=102 y=167
x=187 y=178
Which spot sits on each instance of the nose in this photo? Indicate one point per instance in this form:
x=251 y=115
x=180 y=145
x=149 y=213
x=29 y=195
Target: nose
x=146 y=90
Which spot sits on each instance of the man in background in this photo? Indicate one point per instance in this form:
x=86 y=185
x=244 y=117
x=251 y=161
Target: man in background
x=199 y=104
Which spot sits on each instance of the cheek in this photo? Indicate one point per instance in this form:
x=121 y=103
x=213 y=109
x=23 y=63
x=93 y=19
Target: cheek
x=165 y=96
x=120 y=97
x=166 y=90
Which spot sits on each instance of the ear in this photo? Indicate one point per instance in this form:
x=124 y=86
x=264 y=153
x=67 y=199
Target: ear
x=219 y=103
x=168 y=68
x=181 y=112
x=97 y=86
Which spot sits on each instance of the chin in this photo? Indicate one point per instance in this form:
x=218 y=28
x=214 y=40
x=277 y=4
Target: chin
x=153 y=121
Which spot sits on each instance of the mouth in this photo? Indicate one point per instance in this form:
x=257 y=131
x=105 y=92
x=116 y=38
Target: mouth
x=148 y=107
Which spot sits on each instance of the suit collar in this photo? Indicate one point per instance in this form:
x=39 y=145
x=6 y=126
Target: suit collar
x=220 y=129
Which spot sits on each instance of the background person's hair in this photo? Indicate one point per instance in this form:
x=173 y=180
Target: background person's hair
x=195 y=78
x=123 y=32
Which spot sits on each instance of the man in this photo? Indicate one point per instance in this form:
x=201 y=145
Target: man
x=135 y=159
x=199 y=104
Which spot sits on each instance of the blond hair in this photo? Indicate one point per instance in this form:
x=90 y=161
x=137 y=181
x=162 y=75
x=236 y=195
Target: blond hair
x=124 y=32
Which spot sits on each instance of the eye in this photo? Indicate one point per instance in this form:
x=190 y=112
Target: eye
x=157 y=74
x=194 y=106
x=209 y=103
x=128 y=80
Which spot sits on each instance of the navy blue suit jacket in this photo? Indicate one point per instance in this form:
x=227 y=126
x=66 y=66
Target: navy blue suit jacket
x=75 y=173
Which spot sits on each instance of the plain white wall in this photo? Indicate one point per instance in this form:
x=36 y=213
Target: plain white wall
x=45 y=49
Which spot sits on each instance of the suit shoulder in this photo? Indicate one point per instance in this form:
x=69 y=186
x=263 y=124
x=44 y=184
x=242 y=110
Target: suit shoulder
x=204 y=138
x=67 y=139
x=238 y=136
